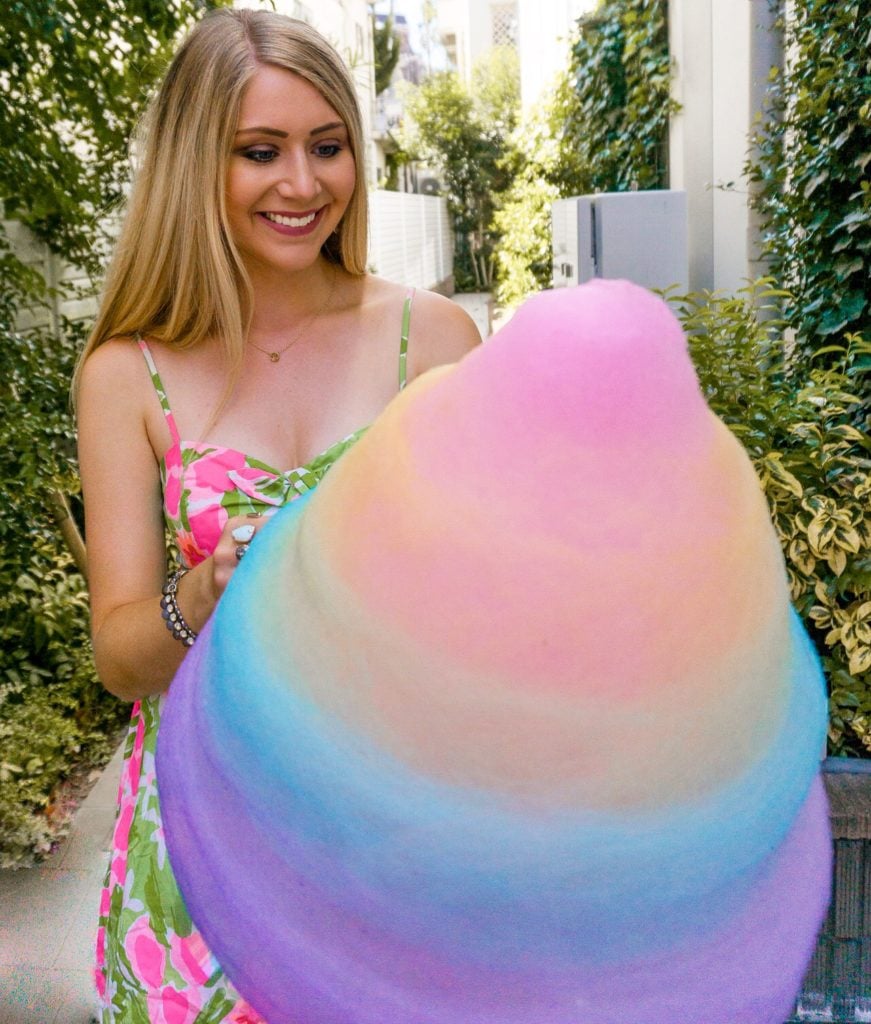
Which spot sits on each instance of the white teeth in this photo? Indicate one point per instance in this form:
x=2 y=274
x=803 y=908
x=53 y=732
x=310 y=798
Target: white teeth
x=291 y=222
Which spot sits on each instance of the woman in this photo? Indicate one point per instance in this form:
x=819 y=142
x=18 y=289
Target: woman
x=239 y=338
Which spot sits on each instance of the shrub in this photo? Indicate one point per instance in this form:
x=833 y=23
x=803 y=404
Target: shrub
x=54 y=715
x=807 y=432
x=74 y=75
x=524 y=255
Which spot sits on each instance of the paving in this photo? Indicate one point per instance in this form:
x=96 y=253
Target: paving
x=479 y=306
x=48 y=919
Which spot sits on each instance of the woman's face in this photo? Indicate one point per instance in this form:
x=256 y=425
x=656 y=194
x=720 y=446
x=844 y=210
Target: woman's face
x=291 y=172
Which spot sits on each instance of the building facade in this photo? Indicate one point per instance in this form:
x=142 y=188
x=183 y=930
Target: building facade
x=469 y=28
x=544 y=32
x=722 y=52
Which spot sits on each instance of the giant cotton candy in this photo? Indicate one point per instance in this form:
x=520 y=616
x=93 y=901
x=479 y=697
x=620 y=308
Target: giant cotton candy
x=511 y=721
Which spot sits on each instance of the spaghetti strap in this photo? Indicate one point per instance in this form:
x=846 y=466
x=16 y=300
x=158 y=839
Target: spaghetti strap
x=159 y=388
x=403 y=341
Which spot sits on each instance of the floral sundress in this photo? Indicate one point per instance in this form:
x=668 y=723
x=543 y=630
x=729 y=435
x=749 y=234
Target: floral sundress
x=152 y=965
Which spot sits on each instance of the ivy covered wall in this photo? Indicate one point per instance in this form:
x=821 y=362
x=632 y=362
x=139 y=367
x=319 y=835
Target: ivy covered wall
x=605 y=129
x=811 y=169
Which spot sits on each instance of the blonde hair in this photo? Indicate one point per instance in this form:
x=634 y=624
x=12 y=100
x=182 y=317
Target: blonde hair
x=176 y=274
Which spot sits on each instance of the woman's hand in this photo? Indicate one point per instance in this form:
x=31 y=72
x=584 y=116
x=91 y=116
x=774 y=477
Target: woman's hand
x=238 y=533
x=136 y=655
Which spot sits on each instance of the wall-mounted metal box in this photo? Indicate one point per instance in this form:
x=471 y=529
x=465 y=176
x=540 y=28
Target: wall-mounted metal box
x=641 y=236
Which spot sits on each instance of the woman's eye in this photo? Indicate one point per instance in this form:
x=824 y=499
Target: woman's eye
x=328 y=149
x=259 y=156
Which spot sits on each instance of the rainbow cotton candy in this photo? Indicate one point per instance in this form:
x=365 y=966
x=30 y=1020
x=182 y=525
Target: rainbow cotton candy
x=510 y=722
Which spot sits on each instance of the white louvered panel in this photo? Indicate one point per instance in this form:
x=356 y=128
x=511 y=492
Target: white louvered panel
x=410 y=240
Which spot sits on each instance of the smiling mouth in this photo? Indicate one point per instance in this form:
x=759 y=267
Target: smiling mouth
x=288 y=221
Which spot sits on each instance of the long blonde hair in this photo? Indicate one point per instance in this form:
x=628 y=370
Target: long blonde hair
x=176 y=274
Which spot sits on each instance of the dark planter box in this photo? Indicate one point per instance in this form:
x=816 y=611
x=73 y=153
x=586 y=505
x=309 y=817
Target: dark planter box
x=837 y=988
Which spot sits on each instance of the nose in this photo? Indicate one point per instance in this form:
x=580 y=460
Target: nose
x=298 y=180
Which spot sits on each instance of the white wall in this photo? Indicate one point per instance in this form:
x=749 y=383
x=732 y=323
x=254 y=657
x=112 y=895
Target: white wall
x=722 y=50
x=410 y=239
x=691 y=158
x=730 y=117
x=453 y=19
x=545 y=29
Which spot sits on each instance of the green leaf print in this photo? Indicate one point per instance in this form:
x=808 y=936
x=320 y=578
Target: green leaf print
x=216 y=1009
x=152 y=900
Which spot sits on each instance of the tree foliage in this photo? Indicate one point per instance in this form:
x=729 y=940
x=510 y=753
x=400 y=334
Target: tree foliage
x=463 y=133
x=386 y=42
x=604 y=130
x=810 y=167
x=496 y=90
x=74 y=75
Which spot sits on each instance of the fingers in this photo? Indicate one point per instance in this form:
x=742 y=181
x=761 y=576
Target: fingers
x=238 y=533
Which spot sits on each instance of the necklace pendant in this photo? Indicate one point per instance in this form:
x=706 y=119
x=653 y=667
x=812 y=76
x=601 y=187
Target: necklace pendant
x=274 y=357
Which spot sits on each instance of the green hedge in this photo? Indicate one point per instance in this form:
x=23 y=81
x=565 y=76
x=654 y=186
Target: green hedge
x=55 y=718
x=806 y=428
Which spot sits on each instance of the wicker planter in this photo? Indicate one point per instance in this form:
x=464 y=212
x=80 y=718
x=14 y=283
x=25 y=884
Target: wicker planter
x=838 y=984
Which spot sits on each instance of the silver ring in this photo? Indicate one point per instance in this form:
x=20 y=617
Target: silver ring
x=240 y=552
x=243 y=534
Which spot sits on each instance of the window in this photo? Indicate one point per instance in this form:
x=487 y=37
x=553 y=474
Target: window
x=504 y=24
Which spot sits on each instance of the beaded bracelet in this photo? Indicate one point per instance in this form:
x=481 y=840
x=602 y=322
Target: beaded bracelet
x=171 y=613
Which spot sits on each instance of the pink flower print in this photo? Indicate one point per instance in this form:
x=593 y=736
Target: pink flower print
x=121 y=838
x=118 y=872
x=100 y=983
x=146 y=955
x=105 y=902
x=208 y=473
x=191 y=552
x=191 y=958
x=169 y=1006
x=243 y=1014
x=101 y=949
x=172 y=489
x=206 y=526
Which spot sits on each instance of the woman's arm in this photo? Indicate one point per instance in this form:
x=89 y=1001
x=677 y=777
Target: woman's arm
x=441 y=332
x=134 y=652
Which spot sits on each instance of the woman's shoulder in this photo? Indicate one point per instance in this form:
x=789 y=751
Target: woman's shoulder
x=114 y=368
x=440 y=331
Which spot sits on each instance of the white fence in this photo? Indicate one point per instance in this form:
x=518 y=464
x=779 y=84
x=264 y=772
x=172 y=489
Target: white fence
x=73 y=296
x=410 y=239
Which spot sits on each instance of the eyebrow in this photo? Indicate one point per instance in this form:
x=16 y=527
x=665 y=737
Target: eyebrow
x=278 y=134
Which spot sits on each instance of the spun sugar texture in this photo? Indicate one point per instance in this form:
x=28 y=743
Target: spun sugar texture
x=511 y=721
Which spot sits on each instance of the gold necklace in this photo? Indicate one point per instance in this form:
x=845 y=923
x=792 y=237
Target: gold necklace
x=276 y=354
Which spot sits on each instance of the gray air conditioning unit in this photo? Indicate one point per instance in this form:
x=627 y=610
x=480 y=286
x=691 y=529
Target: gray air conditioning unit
x=640 y=236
